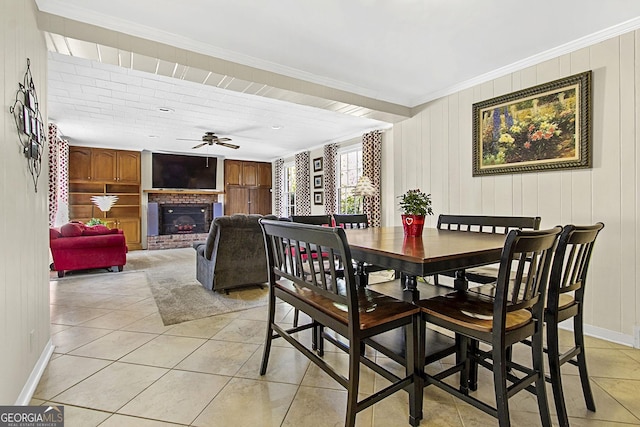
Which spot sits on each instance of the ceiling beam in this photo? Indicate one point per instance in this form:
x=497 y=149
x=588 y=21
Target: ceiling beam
x=210 y=70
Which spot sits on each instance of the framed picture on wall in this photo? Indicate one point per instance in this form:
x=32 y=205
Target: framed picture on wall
x=317 y=164
x=317 y=181
x=317 y=197
x=545 y=127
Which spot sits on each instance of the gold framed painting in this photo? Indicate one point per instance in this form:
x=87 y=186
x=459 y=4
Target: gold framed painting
x=545 y=127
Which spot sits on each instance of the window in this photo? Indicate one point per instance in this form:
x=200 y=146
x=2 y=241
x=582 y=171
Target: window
x=289 y=190
x=349 y=171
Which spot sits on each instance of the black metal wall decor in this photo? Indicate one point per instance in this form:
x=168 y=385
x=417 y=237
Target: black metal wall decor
x=26 y=113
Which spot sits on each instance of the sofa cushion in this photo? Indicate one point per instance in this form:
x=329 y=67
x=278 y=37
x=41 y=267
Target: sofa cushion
x=72 y=229
x=97 y=230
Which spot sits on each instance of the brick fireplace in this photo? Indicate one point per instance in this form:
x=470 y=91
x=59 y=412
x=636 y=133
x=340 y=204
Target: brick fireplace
x=182 y=218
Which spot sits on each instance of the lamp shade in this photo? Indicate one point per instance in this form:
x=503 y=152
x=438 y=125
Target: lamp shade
x=104 y=202
x=364 y=187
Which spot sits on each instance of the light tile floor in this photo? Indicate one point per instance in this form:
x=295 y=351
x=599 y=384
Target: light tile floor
x=116 y=364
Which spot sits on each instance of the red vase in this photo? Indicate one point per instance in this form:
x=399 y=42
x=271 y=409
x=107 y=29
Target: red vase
x=413 y=225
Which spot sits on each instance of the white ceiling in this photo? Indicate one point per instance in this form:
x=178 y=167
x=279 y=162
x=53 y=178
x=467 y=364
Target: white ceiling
x=404 y=52
x=106 y=105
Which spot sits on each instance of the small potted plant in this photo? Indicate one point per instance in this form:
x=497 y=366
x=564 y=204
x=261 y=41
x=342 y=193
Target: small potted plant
x=415 y=205
x=96 y=221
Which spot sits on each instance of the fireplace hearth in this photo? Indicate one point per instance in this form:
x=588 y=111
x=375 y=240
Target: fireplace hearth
x=183 y=219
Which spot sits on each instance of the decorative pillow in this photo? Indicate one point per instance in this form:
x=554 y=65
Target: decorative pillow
x=54 y=233
x=72 y=229
x=96 y=230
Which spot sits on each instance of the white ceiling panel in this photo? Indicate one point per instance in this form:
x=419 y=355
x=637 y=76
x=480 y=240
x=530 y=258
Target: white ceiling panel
x=123 y=107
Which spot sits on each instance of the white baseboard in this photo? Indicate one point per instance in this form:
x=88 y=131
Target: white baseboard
x=30 y=387
x=596 y=332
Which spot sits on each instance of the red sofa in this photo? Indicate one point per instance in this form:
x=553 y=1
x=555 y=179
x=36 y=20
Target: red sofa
x=76 y=246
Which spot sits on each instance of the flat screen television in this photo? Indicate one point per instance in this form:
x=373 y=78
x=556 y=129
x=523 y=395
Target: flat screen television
x=183 y=172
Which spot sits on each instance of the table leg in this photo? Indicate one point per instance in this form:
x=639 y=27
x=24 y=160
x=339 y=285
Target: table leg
x=410 y=282
x=362 y=278
x=460 y=282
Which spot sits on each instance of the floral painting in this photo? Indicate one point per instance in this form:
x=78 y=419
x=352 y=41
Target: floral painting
x=546 y=127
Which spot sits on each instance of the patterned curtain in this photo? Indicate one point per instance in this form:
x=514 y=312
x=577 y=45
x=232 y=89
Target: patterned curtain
x=278 y=166
x=303 y=184
x=372 y=167
x=329 y=161
x=58 y=178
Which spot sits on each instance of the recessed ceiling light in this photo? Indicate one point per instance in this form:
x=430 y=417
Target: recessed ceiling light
x=166 y=109
x=276 y=127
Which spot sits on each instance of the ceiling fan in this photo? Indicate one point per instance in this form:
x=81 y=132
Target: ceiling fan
x=210 y=138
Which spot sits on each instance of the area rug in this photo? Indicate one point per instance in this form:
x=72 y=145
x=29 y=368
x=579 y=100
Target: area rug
x=180 y=302
x=179 y=296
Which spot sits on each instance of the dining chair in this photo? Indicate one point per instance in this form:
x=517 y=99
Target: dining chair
x=513 y=313
x=484 y=224
x=351 y=220
x=359 y=221
x=565 y=300
x=324 y=220
x=357 y=314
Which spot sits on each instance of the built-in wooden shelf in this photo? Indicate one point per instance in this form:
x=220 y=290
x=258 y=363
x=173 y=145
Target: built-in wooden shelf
x=181 y=191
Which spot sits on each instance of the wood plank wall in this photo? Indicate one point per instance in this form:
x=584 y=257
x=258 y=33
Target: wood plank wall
x=432 y=151
x=24 y=253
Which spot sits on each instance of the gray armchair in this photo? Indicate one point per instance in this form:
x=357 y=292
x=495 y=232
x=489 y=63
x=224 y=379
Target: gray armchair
x=233 y=255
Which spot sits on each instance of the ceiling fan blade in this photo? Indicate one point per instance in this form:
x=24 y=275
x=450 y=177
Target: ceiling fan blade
x=223 y=139
x=226 y=144
x=185 y=139
x=200 y=145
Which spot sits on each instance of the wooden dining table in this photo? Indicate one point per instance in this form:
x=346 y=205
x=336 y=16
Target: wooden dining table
x=436 y=251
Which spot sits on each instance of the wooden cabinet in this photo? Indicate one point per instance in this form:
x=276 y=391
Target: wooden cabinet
x=232 y=172
x=264 y=175
x=79 y=164
x=128 y=167
x=99 y=172
x=260 y=201
x=249 y=174
x=104 y=165
x=247 y=187
x=236 y=200
x=129 y=226
x=247 y=200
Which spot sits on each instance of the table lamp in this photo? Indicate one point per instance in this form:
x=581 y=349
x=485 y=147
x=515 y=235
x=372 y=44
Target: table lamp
x=364 y=188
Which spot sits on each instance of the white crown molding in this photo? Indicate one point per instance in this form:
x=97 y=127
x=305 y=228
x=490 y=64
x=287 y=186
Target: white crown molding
x=591 y=39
